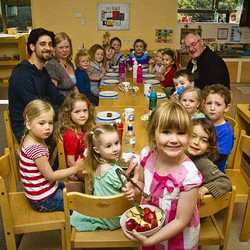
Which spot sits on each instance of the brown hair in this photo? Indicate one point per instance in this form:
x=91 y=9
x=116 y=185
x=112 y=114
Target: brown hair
x=184 y=73
x=141 y=41
x=93 y=50
x=168 y=115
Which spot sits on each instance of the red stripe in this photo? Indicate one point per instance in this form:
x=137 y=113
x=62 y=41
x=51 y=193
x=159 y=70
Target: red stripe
x=39 y=192
x=35 y=185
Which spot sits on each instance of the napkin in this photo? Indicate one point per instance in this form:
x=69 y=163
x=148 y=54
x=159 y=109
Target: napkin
x=105 y=121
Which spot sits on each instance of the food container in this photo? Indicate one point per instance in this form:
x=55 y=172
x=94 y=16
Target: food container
x=12 y=30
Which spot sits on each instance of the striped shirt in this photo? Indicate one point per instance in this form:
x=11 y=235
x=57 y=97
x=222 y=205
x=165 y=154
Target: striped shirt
x=36 y=187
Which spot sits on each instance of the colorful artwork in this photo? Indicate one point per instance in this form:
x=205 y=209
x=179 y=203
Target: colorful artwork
x=113 y=16
x=164 y=35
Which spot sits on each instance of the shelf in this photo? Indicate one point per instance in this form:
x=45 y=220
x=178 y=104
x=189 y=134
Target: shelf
x=9 y=62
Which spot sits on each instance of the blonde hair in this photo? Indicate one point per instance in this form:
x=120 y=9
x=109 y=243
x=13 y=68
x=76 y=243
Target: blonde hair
x=107 y=47
x=168 y=115
x=60 y=37
x=81 y=53
x=33 y=110
x=200 y=109
x=64 y=117
x=93 y=140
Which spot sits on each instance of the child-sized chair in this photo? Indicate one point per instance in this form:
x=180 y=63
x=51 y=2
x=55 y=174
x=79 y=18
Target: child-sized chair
x=241 y=181
x=100 y=207
x=211 y=232
x=17 y=214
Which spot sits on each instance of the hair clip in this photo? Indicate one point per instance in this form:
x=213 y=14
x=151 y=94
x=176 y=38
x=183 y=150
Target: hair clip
x=87 y=99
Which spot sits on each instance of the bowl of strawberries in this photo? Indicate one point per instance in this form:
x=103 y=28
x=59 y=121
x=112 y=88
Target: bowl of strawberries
x=147 y=224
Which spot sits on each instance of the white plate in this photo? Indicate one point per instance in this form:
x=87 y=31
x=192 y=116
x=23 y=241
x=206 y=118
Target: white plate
x=160 y=95
x=111 y=81
x=108 y=93
x=111 y=74
x=115 y=67
x=149 y=75
x=104 y=115
x=110 y=70
x=152 y=81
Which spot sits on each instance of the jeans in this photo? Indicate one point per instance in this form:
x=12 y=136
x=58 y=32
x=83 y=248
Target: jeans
x=52 y=203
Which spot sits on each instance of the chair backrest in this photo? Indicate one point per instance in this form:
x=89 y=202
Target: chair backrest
x=11 y=143
x=235 y=127
x=242 y=147
x=210 y=206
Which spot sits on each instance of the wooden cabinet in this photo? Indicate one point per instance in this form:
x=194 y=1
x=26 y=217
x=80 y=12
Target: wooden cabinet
x=233 y=71
x=12 y=51
x=245 y=75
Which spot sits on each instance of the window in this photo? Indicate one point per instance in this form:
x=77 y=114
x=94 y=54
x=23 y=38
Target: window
x=15 y=14
x=203 y=10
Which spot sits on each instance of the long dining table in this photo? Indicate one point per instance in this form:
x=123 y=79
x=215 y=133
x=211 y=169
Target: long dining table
x=129 y=100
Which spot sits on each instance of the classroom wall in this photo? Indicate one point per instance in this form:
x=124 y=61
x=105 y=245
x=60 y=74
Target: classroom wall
x=145 y=17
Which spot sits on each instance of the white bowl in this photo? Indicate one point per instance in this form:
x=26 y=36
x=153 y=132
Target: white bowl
x=149 y=232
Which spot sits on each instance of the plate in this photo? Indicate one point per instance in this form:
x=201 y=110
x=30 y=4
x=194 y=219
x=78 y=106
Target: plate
x=152 y=81
x=108 y=93
x=111 y=74
x=104 y=115
x=109 y=70
x=149 y=232
x=148 y=75
x=111 y=81
x=115 y=67
x=160 y=95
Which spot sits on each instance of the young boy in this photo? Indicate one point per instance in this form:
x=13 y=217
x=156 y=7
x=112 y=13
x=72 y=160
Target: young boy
x=217 y=100
x=182 y=79
x=82 y=61
x=117 y=44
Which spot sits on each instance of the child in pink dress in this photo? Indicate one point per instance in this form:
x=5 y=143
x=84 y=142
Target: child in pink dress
x=171 y=179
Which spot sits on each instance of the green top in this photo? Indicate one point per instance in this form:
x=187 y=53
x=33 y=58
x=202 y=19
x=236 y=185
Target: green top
x=106 y=185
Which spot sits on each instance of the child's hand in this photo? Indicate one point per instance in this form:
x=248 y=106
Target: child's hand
x=174 y=97
x=79 y=164
x=131 y=166
x=129 y=191
x=151 y=61
x=143 y=240
x=202 y=191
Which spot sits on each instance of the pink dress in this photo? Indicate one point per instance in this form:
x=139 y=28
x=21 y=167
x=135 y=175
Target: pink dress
x=165 y=192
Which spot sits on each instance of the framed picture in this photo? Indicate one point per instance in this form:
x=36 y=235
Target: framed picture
x=222 y=33
x=164 y=35
x=113 y=16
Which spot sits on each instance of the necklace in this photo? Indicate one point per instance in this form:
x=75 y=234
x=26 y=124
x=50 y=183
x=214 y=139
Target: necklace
x=64 y=64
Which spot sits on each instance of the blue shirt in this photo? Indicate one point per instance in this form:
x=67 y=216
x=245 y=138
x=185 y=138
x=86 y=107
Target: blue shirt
x=83 y=81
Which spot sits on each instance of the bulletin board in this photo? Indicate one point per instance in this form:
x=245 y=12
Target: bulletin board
x=113 y=16
x=164 y=35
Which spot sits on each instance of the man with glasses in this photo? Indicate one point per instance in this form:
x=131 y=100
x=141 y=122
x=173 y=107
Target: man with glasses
x=208 y=67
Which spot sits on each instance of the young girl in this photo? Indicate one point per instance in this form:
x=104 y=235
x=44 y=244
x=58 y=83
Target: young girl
x=96 y=70
x=191 y=99
x=82 y=61
x=170 y=178
x=76 y=117
x=140 y=53
x=42 y=185
x=203 y=150
x=103 y=155
x=109 y=54
x=155 y=65
x=169 y=66
x=117 y=44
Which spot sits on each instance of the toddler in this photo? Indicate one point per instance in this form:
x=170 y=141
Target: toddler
x=203 y=150
x=117 y=44
x=42 y=185
x=217 y=100
x=192 y=100
x=76 y=117
x=140 y=53
x=82 y=61
x=96 y=70
x=103 y=156
x=155 y=65
x=170 y=178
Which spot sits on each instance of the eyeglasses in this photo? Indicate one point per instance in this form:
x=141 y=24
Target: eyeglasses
x=192 y=45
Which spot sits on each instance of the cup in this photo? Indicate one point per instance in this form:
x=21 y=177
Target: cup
x=124 y=86
x=128 y=114
x=147 y=89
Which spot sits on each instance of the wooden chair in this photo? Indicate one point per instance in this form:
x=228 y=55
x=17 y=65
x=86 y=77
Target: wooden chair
x=63 y=165
x=17 y=215
x=100 y=207
x=241 y=181
x=235 y=128
x=211 y=233
x=14 y=148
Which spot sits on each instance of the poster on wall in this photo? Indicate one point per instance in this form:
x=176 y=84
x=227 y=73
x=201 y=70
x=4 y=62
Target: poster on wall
x=235 y=34
x=222 y=33
x=113 y=16
x=164 y=35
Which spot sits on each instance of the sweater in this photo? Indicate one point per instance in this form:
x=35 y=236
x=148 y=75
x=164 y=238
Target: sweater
x=215 y=181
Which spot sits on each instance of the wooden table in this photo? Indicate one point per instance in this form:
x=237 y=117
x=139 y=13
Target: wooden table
x=139 y=102
x=243 y=117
